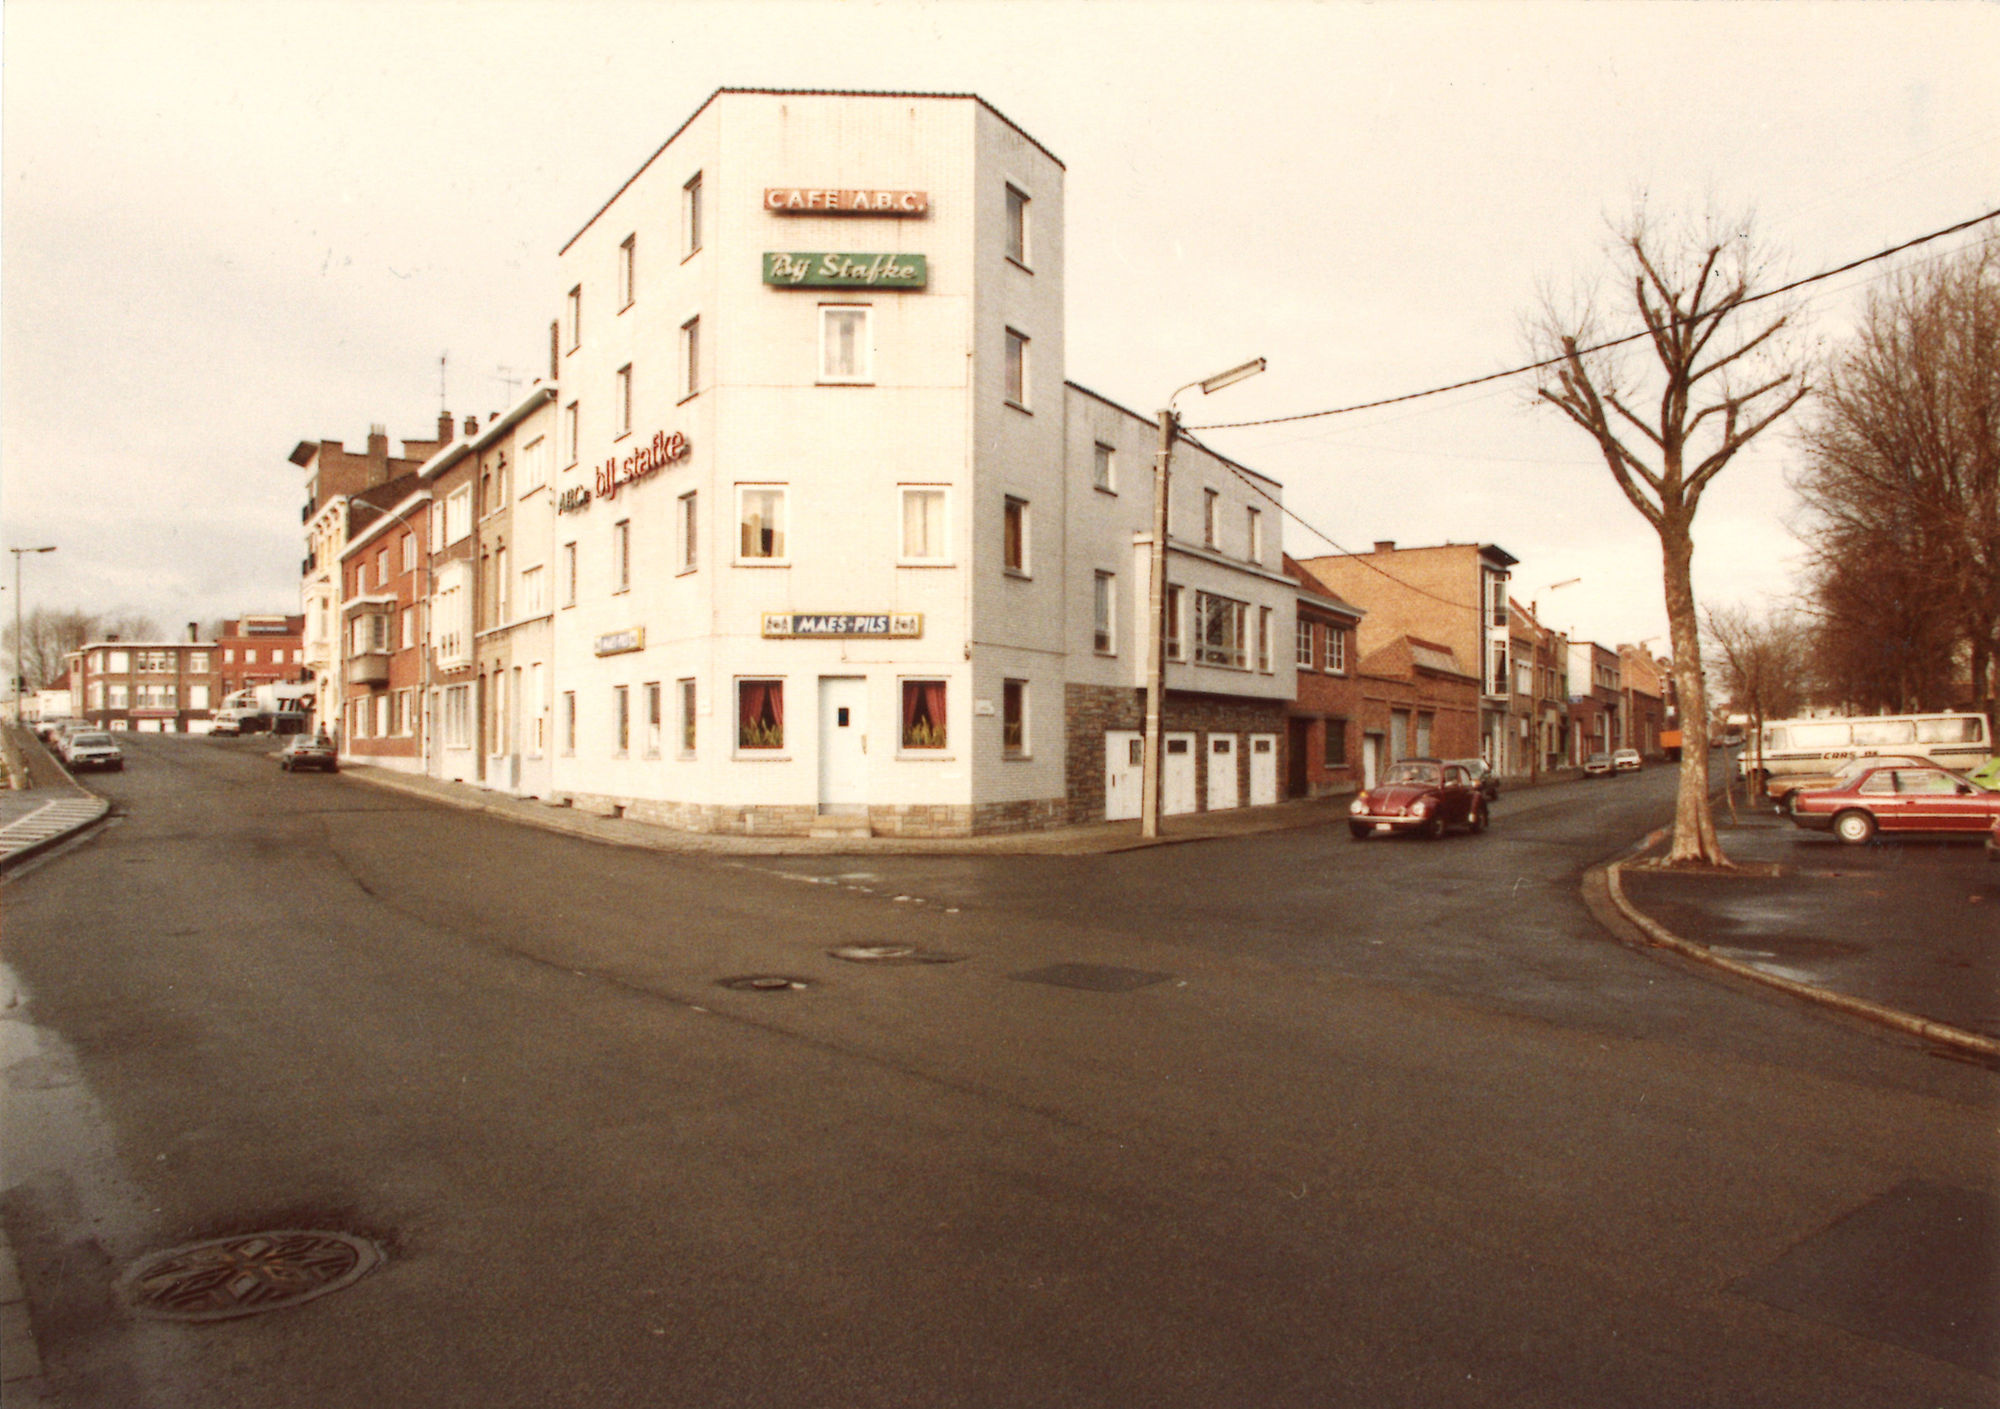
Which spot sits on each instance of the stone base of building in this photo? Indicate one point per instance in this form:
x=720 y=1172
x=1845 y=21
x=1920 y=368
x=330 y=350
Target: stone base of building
x=1091 y=710
x=884 y=820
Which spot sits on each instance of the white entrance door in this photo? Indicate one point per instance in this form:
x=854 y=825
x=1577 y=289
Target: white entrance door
x=1177 y=774
x=1263 y=769
x=1222 y=792
x=1371 y=760
x=1124 y=773
x=843 y=744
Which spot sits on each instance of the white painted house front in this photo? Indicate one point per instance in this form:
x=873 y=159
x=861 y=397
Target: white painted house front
x=832 y=549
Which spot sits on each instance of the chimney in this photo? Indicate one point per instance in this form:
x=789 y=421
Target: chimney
x=444 y=427
x=472 y=425
x=194 y=632
x=1385 y=545
x=378 y=442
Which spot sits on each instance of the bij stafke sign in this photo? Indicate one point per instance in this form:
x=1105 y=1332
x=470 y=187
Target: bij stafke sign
x=617 y=472
x=803 y=200
x=894 y=624
x=846 y=271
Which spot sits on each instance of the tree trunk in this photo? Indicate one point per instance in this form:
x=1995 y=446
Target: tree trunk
x=1694 y=842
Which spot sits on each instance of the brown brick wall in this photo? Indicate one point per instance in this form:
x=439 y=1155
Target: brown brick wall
x=1089 y=710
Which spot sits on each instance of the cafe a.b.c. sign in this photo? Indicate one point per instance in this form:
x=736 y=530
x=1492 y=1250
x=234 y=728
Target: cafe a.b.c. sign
x=664 y=449
x=815 y=270
x=806 y=200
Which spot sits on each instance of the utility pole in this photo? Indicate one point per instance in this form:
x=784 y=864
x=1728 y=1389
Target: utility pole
x=1156 y=658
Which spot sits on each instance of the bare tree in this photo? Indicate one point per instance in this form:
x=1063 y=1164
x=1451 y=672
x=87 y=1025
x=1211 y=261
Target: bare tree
x=48 y=634
x=1761 y=665
x=1902 y=490
x=1667 y=426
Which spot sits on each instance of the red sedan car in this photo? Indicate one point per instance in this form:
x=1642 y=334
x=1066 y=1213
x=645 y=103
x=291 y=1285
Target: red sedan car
x=1420 y=795
x=1900 y=797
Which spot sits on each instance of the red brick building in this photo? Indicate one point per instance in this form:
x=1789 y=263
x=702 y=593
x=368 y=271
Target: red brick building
x=152 y=687
x=260 y=650
x=1417 y=701
x=1322 y=726
x=384 y=577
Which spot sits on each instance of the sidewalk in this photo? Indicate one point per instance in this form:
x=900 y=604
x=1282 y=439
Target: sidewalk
x=1091 y=839
x=1900 y=933
x=45 y=806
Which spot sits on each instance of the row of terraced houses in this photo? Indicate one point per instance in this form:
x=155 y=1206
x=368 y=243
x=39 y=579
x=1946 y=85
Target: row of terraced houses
x=807 y=529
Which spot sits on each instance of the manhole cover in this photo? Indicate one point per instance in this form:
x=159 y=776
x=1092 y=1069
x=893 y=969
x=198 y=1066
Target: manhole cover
x=1097 y=978
x=241 y=1276
x=891 y=954
x=766 y=983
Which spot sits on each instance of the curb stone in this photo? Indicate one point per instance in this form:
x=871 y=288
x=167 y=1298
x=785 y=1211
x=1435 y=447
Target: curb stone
x=1658 y=934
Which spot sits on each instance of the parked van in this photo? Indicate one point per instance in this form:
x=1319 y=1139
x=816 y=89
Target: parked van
x=1796 y=746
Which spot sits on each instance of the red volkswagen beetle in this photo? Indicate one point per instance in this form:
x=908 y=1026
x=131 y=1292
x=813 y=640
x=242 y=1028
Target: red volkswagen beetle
x=1420 y=795
x=1900 y=797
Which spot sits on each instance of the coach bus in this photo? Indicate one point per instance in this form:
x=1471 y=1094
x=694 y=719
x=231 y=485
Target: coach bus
x=1794 y=746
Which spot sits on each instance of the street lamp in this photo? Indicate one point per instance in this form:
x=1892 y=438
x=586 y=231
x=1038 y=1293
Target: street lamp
x=1156 y=655
x=20 y=673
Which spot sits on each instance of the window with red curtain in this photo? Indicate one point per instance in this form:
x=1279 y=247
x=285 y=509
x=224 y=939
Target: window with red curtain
x=923 y=714
x=760 y=714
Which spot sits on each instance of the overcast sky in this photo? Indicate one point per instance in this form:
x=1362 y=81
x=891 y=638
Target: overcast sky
x=229 y=227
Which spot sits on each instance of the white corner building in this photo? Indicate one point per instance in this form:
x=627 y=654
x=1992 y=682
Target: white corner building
x=836 y=546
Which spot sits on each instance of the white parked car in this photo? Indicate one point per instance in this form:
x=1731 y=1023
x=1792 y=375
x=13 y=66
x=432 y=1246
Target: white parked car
x=92 y=748
x=1626 y=760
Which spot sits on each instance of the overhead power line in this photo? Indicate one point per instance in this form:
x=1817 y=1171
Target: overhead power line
x=1602 y=346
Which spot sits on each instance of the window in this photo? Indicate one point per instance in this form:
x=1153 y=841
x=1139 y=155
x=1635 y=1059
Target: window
x=535 y=464
x=1017 y=226
x=408 y=632
x=761 y=517
x=1303 y=652
x=1017 y=368
x=570 y=421
x=621 y=717
x=687 y=717
x=118 y=697
x=458 y=717
x=1336 y=743
x=1014 y=547
x=1265 y=649
x=923 y=525
x=458 y=514
x=381 y=716
x=435 y=515
x=409 y=552
x=1426 y=722
x=503 y=587
x=684 y=530
x=197 y=697
x=1104 y=467
x=1256 y=522
x=760 y=714
x=653 y=720
x=499 y=480
x=1176 y=642
x=1211 y=518
x=691 y=212
x=621 y=393
x=573 y=317
x=228 y=657
x=569 y=574
x=1014 y=718
x=1524 y=678
x=923 y=714
x=534 y=591
x=846 y=343
x=1496 y=674
x=1102 y=604
x=625 y=252
x=690 y=357
x=621 y=556
x=381 y=566
x=197 y=662
x=569 y=721
x=1221 y=623
x=1336 y=651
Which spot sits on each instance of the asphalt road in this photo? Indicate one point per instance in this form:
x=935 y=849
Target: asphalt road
x=1390 y=1123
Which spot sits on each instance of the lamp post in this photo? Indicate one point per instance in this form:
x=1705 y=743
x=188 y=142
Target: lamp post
x=20 y=670
x=1535 y=611
x=1156 y=655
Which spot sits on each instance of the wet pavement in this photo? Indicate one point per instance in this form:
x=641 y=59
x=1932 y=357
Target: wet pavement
x=1911 y=924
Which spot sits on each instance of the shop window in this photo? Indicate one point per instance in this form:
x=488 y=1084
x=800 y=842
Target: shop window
x=923 y=714
x=760 y=714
